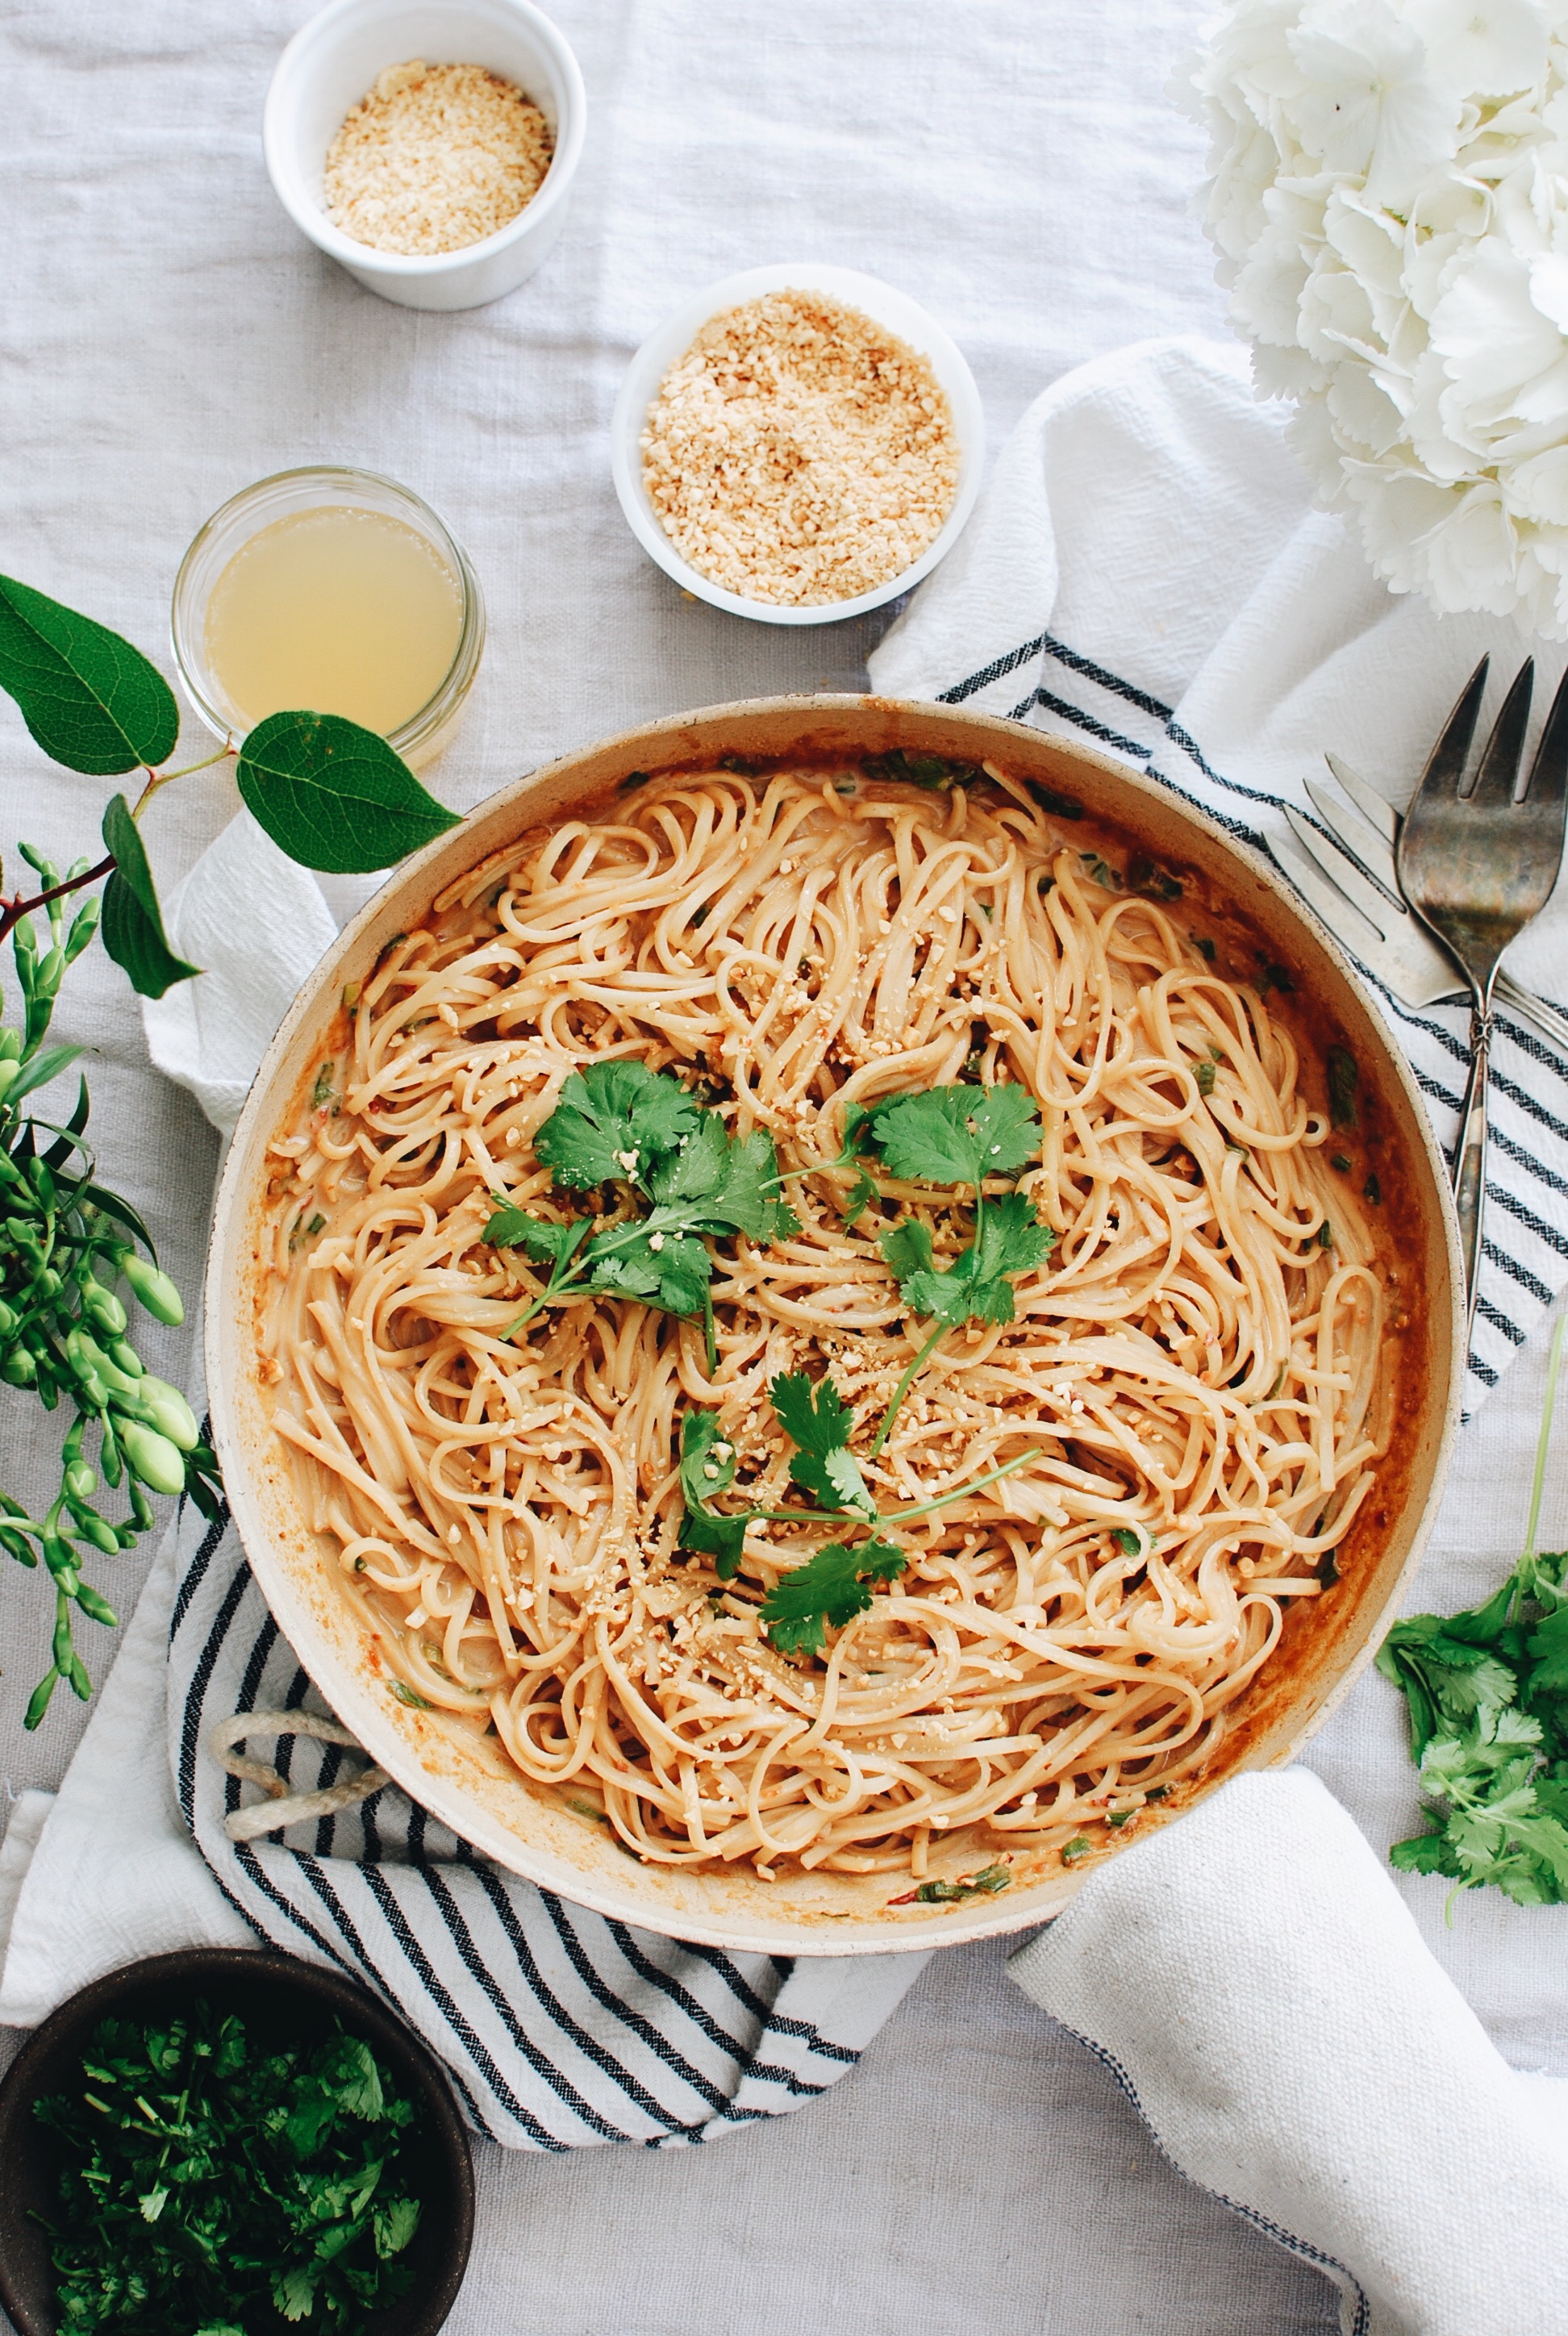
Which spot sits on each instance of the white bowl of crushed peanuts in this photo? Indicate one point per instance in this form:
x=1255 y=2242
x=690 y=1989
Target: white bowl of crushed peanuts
x=798 y=444
x=427 y=145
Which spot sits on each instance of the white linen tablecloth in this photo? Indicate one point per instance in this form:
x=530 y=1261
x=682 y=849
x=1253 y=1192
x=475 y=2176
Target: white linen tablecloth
x=167 y=337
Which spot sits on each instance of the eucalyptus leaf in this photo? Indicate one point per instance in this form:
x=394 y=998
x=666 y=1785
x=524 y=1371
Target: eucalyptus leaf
x=132 y=921
x=334 y=796
x=91 y=700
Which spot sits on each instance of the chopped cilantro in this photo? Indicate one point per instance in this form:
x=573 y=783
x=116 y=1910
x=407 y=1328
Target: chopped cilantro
x=1128 y=1541
x=1372 y=1190
x=1205 y=947
x=633 y=779
x=208 y=2183
x=1079 y=1846
x=1338 y=1160
x=1344 y=1077
x=928 y=771
x=1204 y=1075
x=830 y=1588
x=1325 y=1235
x=1274 y=976
x=321 y=1094
x=1121 y=1817
x=409 y=1695
x=1146 y=876
x=1048 y=798
x=989 y=1879
x=1101 y=872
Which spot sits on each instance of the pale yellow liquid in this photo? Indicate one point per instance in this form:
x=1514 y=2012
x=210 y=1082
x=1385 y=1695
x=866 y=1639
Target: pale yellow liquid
x=338 y=611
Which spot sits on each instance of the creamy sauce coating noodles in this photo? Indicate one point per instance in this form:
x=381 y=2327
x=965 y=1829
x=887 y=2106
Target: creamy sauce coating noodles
x=1195 y=1366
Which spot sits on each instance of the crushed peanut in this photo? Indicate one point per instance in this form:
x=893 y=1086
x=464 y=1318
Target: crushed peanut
x=435 y=158
x=799 y=452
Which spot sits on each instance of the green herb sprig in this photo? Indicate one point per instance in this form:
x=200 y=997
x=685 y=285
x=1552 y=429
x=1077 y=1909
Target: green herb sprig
x=332 y=796
x=207 y=2185
x=1487 y=1694
x=681 y=1172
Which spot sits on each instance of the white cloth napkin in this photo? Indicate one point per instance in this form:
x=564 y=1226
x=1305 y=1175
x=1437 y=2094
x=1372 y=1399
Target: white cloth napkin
x=1145 y=571
x=1252 y=1979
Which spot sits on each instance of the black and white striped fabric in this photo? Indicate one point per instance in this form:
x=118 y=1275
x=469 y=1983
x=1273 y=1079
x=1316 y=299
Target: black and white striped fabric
x=1145 y=573
x=561 y=2029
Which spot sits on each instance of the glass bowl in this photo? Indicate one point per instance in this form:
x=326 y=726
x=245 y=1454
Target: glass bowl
x=424 y=732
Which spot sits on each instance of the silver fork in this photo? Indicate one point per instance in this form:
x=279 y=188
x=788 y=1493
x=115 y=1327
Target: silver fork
x=1476 y=863
x=1344 y=864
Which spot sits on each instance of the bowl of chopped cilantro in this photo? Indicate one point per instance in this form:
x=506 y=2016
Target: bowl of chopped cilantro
x=224 y=2143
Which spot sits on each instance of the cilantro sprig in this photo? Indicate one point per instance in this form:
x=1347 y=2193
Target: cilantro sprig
x=618 y=1123
x=959 y=1136
x=1487 y=1693
x=834 y=1584
x=207 y=2184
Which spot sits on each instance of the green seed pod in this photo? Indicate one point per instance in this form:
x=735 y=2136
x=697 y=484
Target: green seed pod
x=39 y=1704
x=51 y=966
x=151 y=1456
x=19 y=1369
x=124 y=1357
x=95 y=1607
x=81 y=931
x=10 y=1072
x=41 y=1177
x=24 y=939
x=88 y=1356
x=48 y=1283
x=10 y=1045
x=9 y=1318
x=155 y=1290
x=80 y=1479
x=163 y=1408
x=104 y=1307
x=99 y=1532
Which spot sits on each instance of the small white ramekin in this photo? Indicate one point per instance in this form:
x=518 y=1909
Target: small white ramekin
x=336 y=59
x=880 y=301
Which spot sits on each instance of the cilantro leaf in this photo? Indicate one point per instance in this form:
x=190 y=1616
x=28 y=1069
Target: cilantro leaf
x=830 y=1588
x=975 y=1287
x=819 y=1423
x=857 y=1200
x=958 y=1135
x=665 y=1270
x=745 y=1199
x=707 y=1467
x=614 y=1124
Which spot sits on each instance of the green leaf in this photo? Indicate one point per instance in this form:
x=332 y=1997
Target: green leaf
x=975 y=1287
x=707 y=1465
x=40 y=1071
x=1549 y=1646
x=134 y=932
x=832 y=1586
x=857 y=1200
x=958 y=1134
x=91 y=700
x=613 y=1114
x=625 y=1262
x=336 y=796
x=819 y=1423
x=394 y=2225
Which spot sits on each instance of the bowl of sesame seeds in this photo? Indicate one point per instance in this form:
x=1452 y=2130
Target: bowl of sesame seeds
x=428 y=146
x=798 y=444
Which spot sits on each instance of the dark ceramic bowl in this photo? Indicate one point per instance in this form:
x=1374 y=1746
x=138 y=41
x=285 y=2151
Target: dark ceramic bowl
x=281 y=2002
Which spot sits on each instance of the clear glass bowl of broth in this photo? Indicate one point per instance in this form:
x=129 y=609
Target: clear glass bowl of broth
x=334 y=590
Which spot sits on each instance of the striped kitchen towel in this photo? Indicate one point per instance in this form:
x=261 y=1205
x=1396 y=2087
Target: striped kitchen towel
x=560 y=2028
x=1146 y=572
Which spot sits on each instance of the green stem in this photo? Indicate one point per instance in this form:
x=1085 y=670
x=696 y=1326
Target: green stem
x=1548 y=1406
x=897 y=1516
x=157 y=779
x=904 y=1385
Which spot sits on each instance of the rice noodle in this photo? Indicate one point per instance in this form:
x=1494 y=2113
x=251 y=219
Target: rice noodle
x=1195 y=1366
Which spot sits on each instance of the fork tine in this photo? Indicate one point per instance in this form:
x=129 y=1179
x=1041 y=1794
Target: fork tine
x=1505 y=749
x=1371 y=805
x=1549 y=772
x=1446 y=764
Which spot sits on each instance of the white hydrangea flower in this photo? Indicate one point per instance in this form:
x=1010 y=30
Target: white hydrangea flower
x=1388 y=202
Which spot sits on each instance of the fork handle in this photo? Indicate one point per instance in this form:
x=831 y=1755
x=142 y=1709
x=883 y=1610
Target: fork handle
x=1470 y=1159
